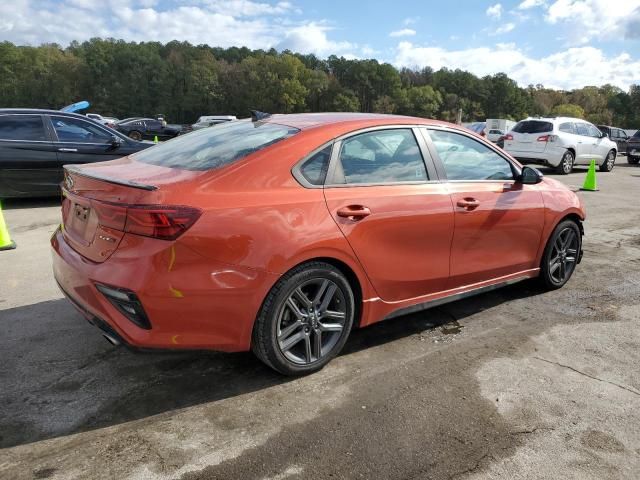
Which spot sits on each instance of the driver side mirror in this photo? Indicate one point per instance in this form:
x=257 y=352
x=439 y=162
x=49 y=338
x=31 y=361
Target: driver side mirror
x=530 y=176
x=115 y=141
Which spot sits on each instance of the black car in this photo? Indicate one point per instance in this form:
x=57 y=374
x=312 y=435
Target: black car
x=616 y=135
x=633 y=148
x=147 y=128
x=35 y=144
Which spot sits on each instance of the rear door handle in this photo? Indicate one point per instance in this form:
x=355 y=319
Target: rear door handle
x=354 y=212
x=468 y=203
x=67 y=149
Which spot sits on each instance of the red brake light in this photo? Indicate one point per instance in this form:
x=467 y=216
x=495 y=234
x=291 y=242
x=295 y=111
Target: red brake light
x=160 y=221
x=166 y=222
x=508 y=136
x=547 y=138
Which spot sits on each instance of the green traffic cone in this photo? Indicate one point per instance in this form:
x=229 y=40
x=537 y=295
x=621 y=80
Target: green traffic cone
x=590 y=184
x=5 y=239
x=155 y=139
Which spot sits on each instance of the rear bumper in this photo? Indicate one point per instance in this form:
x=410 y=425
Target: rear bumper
x=191 y=302
x=551 y=156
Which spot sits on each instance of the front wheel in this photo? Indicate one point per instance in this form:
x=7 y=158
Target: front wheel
x=305 y=319
x=135 y=135
x=561 y=255
x=566 y=164
x=609 y=162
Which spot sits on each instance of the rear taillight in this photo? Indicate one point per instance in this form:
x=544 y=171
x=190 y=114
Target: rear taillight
x=159 y=221
x=166 y=222
x=548 y=138
x=508 y=136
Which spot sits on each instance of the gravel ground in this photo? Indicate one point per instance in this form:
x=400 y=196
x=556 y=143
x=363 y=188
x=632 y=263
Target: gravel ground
x=514 y=384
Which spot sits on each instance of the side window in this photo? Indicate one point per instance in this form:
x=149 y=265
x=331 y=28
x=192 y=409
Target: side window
x=467 y=159
x=22 y=127
x=622 y=135
x=75 y=130
x=593 y=131
x=567 y=127
x=582 y=129
x=314 y=170
x=381 y=156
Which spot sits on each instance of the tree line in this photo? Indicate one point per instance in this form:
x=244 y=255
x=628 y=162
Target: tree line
x=183 y=81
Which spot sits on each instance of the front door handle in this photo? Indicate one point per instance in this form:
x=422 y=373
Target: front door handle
x=67 y=149
x=468 y=203
x=354 y=212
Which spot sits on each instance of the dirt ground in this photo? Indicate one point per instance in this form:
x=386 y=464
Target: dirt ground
x=513 y=384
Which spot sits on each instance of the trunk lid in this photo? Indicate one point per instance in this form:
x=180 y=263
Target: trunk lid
x=97 y=197
x=525 y=136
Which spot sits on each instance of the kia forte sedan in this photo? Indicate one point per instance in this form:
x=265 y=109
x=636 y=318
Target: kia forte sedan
x=282 y=233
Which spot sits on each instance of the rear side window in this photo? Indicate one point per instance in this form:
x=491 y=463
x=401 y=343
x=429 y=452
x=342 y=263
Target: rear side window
x=211 y=148
x=567 y=127
x=533 y=126
x=314 y=170
x=381 y=156
x=22 y=127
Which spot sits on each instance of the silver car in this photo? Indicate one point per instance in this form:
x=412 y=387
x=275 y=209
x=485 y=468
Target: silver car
x=210 y=120
x=561 y=143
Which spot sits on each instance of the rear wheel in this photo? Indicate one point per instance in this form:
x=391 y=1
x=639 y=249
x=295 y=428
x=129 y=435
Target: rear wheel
x=566 y=164
x=305 y=320
x=135 y=135
x=561 y=255
x=609 y=162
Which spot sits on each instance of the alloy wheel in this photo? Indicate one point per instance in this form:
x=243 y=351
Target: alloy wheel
x=311 y=321
x=563 y=256
x=611 y=160
x=567 y=163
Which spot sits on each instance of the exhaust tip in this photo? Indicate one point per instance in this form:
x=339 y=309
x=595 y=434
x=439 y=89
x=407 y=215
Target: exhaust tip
x=113 y=341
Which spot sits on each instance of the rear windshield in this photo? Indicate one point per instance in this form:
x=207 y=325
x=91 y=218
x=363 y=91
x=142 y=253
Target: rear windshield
x=533 y=126
x=211 y=148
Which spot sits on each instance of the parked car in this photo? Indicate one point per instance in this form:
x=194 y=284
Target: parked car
x=561 y=143
x=633 y=148
x=478 y=127
x=616 y=135
x=108 y=121
x=210 y=120
x=147 y=128
x=280 y=235
x=494 y=135
x=35 y=144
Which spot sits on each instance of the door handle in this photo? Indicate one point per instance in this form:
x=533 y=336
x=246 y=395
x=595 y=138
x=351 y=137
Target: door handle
x=354 y=212
x=67 y=149
x=468 y=203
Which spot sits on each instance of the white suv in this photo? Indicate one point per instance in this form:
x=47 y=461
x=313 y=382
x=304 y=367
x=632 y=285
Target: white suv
x=560 y=142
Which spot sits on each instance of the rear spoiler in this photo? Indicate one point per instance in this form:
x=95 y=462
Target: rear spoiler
x=118 y=181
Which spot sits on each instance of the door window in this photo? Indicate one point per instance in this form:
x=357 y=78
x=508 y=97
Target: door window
x=593 y=131
x=567 y=127
x=381 y=156
x=78 y=131
x=464 y=158
x=582 y=129
x=22 y=127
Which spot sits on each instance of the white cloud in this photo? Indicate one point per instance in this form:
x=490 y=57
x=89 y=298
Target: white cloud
x=494 y=11
x=584 y=20
x=312 y=38
x=410 y=20
x=569 y=69
x=526 y=4
x=405 y=32
x=506 y=28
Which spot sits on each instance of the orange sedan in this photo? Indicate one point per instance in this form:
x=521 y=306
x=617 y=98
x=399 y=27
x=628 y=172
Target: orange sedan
x=281 y=233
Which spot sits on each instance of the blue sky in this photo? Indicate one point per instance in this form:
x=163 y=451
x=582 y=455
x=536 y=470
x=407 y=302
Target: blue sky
x=558 y=43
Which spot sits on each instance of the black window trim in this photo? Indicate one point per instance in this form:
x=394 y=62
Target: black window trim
x=47 y=132
x=296 y=170
x=516 y=170
x=54 y=135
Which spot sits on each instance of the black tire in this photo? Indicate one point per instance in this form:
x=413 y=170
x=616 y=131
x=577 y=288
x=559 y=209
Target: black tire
x=632 y=160
x=268 y=347
x=549 y=276
x=135 y=135
x=609 y=162
x=566 y=164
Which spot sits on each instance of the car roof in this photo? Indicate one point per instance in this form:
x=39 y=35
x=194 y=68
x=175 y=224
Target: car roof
x=304 y=121
x=41 y=111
